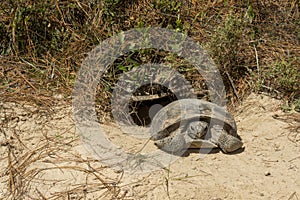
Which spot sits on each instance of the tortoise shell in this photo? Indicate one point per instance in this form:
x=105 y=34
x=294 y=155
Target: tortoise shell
x=181 y=112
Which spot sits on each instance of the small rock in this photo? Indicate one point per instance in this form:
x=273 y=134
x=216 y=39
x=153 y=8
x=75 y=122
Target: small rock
x=267 y=173
x=118 y=170
x=259 y=153
x=255 y=134
x=4 y=142
x=261 y=194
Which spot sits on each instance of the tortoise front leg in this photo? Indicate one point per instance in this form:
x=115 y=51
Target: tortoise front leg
x=174 y=143
x=225 y=141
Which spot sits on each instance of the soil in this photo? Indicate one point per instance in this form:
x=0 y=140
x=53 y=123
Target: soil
x=42 y=157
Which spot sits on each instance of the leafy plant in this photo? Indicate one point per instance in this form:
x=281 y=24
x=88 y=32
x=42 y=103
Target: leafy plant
x=167 y=6
x=284 y=75
x=293 y=106
x=225 y=44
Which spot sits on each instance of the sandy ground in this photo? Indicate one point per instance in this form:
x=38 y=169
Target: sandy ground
x=41 y=157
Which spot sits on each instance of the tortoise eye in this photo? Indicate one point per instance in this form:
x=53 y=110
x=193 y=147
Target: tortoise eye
x=192 y=128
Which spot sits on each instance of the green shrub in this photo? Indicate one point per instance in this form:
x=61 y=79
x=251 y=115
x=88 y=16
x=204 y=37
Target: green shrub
x=283 y=76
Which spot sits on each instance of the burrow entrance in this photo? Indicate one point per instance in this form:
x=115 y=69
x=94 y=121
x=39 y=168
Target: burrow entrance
x=147 y=100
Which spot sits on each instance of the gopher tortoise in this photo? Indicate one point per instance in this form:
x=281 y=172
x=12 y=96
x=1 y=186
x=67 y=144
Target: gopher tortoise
x=194 y=123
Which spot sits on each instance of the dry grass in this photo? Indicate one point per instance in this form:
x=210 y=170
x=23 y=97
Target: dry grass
x=32 y=156
x=43 y=44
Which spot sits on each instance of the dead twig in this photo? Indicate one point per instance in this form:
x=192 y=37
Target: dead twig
x=294 y=159
x=257 y=61
x=12 y=185
x=293 y=195
x=41 y=195
x=235 y=92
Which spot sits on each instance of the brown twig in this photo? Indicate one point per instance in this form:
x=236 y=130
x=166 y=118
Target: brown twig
x=235 y=92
